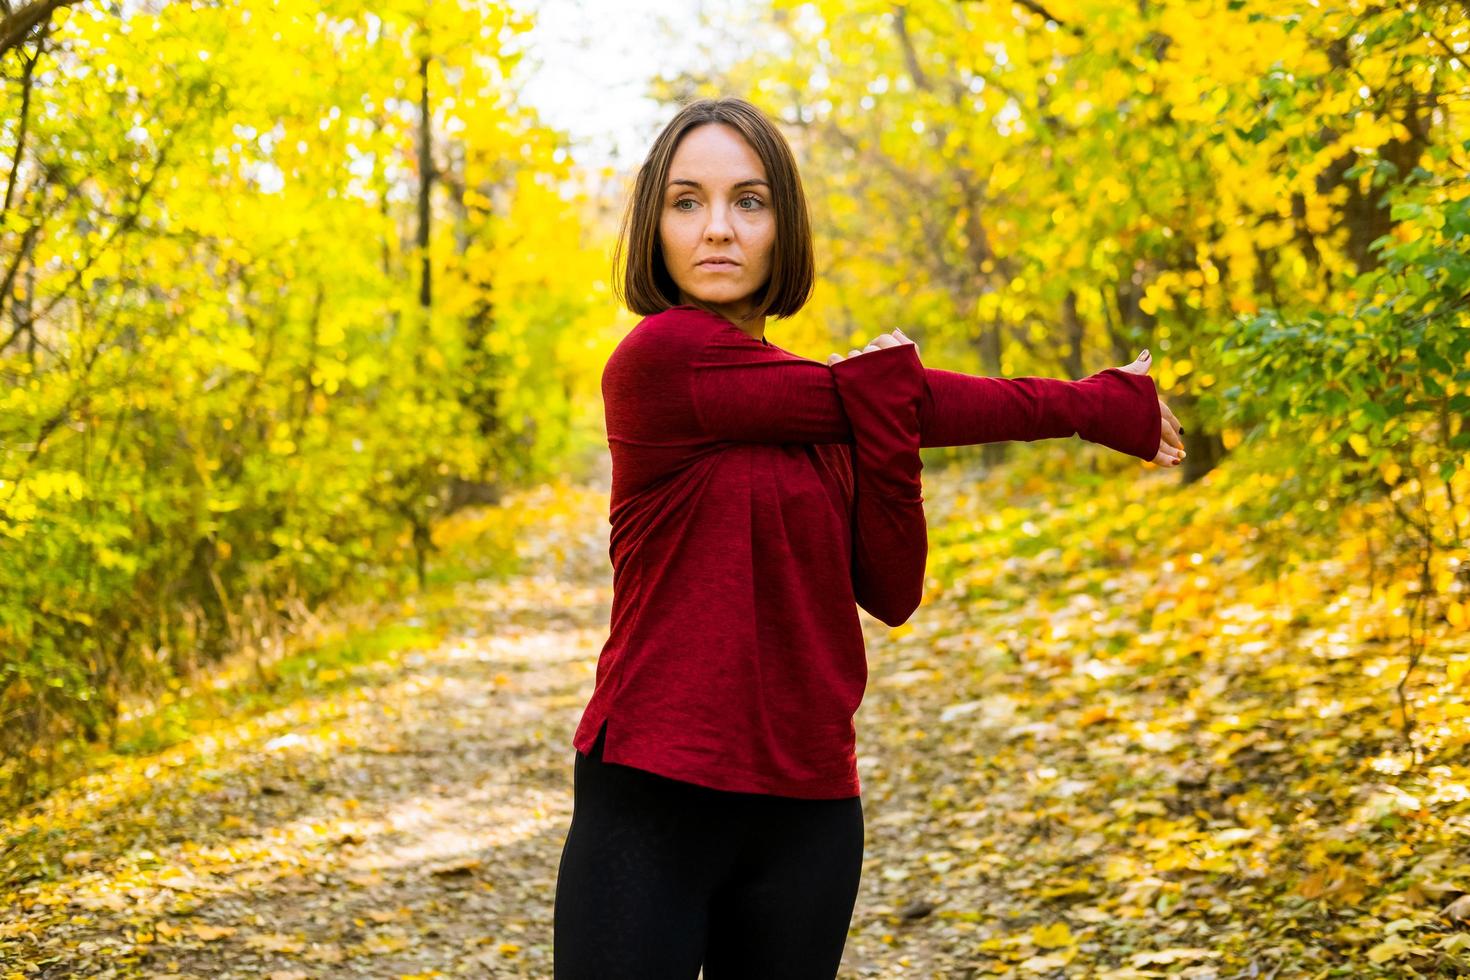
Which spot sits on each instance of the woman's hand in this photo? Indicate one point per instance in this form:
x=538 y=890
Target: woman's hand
x=1171 y=447
x=894 y=339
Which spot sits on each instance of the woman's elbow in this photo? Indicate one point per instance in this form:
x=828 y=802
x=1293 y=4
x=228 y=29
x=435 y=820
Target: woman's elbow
x=894 y=608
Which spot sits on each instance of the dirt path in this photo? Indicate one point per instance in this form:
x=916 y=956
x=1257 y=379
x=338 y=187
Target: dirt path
x=408 y=827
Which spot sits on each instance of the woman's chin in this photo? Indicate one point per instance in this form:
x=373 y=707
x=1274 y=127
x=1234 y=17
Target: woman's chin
x=719 y=297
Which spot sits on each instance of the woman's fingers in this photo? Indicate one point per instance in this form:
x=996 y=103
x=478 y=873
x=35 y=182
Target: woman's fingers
x=1169 y=455
x=1170 y=416
x=894 y=339
x=1169 y=431
x=1169 y=427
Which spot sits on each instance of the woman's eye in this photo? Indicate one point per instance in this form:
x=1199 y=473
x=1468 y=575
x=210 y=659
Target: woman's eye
x=744 y=200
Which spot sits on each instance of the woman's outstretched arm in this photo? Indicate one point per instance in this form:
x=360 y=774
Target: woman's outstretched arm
x=745 y=391
x=881 y=390
x=1113 y=407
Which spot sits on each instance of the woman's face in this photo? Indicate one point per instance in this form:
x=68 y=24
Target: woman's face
x=717 y=204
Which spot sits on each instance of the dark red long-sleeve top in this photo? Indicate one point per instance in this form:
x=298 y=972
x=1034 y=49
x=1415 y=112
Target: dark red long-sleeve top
x=758 y=498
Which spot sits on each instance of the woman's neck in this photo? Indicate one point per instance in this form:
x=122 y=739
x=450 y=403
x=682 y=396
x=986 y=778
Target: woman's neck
x=737 y=313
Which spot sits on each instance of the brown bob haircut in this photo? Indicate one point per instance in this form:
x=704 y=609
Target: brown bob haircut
x=646 y=286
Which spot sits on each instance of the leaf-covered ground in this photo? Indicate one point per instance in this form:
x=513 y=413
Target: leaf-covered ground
x=1119 y=739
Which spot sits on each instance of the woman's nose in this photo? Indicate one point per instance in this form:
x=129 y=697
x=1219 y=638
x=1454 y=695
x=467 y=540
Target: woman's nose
x=718 y=227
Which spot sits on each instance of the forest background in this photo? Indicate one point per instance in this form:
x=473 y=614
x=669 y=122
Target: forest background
x=297 y=298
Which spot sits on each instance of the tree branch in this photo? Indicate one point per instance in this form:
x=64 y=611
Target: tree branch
x=1036 y=8
x=13 y=29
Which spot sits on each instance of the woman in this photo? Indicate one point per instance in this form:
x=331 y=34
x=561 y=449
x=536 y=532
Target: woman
x=758 y=499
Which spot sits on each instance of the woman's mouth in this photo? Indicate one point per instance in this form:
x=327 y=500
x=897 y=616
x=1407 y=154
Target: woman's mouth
x=717 y=265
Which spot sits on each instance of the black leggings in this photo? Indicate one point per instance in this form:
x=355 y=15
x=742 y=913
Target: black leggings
x=659 y=876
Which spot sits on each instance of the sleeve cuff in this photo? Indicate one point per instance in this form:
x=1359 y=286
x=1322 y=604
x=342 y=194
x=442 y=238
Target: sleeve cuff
x=881 y=392
x=1126 y=417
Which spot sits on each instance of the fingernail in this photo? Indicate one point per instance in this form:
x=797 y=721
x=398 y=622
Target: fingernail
x=1145 y=353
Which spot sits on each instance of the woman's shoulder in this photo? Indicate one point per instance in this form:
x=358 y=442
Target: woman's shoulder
x=682 y=320
x=653 y=363
x=676 y=331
